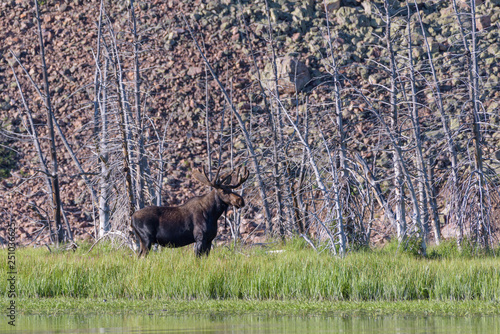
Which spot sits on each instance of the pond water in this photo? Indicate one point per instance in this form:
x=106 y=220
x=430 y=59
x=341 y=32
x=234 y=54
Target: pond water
x=252 y=323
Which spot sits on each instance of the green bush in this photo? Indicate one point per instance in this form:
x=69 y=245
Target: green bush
x=7 y=161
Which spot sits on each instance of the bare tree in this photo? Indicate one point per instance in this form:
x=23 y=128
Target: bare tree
x=450 y=143
x=54 y=173
x=427 y=194
x=480 y=222
x=398 y=178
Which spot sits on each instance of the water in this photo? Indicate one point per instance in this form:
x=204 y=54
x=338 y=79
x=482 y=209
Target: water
x=252 y=323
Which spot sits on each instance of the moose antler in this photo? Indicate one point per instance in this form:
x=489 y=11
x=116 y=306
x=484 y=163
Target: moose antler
x=242 y=177
x=203 y=177
x=226 y=178
x=223 y=181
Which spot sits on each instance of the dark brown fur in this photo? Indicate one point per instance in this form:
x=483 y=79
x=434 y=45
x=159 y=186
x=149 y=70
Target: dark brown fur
x=193 y=222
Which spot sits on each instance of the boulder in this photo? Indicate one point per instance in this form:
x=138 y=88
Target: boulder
x=466 y=3
x=293 y=75
x=483 y=22
x=332 y=5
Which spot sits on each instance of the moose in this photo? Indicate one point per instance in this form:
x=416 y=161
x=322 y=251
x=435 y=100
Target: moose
x=195 y=221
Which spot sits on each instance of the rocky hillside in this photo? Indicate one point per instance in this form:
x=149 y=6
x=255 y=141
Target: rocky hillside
x=235 y=38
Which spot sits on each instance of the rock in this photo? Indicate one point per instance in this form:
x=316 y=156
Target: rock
x=194 y=70
x=5 y=105
x=298 y=14
x=275 y=15
x=466 y=3
x=490 y=61
x=347 y=15
x=367 y=5
x=483 y=22
x=375 y=78
x=293 y=75
x=363 y=72
x=494 y=107
x=332 y=5
x=418 y=52
x=433 y=45
x=495 y=17
x=296 y=37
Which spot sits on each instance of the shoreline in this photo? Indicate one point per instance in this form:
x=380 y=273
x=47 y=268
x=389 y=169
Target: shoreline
x=74 y=306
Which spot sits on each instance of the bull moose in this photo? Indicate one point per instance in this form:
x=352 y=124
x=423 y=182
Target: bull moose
x=193 y=222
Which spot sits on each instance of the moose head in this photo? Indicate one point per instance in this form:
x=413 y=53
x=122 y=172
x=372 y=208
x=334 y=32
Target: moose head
x=224 y=185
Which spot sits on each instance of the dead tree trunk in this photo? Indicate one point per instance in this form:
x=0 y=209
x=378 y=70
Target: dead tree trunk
x=54 y=174
x=446 y=128
x=276 y=129
x=104 y=210
x=141 y=156
x=125 y=126
x=424 y=185
x=398 y=179
x=483 y=230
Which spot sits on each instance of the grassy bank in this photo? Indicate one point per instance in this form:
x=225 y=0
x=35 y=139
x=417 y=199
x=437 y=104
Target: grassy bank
x=233 y=280
x=87 y=306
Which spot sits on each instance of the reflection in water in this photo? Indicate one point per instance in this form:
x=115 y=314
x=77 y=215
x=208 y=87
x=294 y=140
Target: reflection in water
x=252 y=323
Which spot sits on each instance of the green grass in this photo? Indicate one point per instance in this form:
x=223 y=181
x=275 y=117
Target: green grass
x=88 y=306
x=298 y=273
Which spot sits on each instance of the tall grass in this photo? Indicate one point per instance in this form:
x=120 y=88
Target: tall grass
x=254 y=274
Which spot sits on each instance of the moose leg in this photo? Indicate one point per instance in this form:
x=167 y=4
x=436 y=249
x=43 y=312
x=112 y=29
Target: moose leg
x=197 y=248
x=145 y=242
x=142 y=247
x=138 y=240
x=202 y=248
x=207 y=247
x=145 y=247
